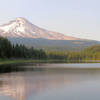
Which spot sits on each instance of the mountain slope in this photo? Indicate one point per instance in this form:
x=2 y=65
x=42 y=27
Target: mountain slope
x=55 y=45
x=23 y=28
x=21 y=31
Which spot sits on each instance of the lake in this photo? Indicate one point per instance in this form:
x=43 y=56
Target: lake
x=52 y=82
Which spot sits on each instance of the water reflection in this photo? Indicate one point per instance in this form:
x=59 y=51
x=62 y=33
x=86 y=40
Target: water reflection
x=21 y=85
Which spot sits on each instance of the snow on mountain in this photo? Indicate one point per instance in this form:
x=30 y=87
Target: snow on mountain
x=20 y=27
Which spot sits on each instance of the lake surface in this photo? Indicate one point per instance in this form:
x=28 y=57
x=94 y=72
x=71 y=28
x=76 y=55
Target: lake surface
x=42 y=82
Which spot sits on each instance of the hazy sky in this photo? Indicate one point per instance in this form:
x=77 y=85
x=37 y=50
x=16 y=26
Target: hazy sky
x=80 y=18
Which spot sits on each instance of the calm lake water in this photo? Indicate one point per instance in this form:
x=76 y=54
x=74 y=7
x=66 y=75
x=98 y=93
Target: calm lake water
x=64 y=82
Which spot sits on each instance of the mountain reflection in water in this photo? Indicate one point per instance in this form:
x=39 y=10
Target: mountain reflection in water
x=21 y=85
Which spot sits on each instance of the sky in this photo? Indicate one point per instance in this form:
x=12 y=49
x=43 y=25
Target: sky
x=78 y=18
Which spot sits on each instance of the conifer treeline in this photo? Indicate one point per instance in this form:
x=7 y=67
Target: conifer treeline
x=7 y=50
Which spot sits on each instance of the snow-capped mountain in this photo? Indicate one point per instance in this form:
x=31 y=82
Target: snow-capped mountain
x=21 y=27
x=21 y=31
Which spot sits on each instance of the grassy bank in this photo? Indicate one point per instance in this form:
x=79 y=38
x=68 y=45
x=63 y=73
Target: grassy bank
x=19 y=61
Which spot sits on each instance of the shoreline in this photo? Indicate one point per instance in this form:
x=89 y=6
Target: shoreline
x=22 y=61
x=26 y=61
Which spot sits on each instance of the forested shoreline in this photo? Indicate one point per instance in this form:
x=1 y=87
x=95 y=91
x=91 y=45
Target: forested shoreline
x=8 y=50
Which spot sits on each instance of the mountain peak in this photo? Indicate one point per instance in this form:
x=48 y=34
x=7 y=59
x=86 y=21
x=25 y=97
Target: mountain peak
x=20 y=27
x=21 y=19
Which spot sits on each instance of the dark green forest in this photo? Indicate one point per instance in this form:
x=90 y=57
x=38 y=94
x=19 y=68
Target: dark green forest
x=8 y=50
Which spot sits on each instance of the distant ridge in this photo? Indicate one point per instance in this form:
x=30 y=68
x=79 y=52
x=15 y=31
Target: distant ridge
x=55 y=45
